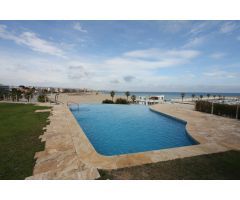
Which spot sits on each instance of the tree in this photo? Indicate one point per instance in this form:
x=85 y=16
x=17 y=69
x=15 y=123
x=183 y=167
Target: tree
x=19 y=95
x=214 y=96
x=219 y=96
x=127 y=94
x=112 y=93
x=42 y=98
x=133 y=97
x=193 y=96
x=121 y=101
x=16 y=94
x=44 y=94
x=182 y=95
x=29 y=94
x=201 y=96
x=208 y=95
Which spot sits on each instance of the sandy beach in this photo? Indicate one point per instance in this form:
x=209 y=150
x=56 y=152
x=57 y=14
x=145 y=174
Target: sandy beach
x=92 y=97
x=82 y=98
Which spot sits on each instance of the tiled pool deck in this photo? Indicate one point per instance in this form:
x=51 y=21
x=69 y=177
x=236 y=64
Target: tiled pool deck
x=68 y=153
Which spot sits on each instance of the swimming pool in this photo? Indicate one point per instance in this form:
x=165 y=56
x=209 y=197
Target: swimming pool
x=123 y=129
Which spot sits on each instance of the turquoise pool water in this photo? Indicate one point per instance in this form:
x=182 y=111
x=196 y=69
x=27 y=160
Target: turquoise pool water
x=123 y=129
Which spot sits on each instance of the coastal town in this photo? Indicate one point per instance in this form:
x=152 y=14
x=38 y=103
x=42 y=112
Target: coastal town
x=128 y=116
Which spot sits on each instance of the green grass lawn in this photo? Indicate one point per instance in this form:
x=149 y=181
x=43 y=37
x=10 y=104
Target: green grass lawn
x=20 y=128
x=217 y=166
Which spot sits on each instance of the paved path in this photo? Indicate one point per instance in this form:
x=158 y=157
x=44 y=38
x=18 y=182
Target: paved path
x=59 y=159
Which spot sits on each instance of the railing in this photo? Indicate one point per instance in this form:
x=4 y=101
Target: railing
x=73 y=103
x=55 y=102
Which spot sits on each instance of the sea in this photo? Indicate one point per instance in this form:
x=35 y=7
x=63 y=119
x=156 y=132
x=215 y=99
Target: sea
x=173 y=95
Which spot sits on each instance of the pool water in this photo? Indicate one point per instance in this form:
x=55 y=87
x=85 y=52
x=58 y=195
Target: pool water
x=122 y=129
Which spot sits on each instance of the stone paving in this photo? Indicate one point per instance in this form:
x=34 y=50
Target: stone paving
x=59 y=159
x=68 y=153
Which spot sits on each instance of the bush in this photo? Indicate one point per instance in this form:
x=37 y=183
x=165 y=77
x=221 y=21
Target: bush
x=225 y=110
x=107 y=101
x=42 y=98
x=121 y=101
x=203 y=106
x=218 y=109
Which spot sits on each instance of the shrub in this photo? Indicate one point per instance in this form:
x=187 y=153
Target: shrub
x=42 y=98
x=203 y=106
x=218 y=109
x=225 y=110
x=107 y=101
x=121 y=101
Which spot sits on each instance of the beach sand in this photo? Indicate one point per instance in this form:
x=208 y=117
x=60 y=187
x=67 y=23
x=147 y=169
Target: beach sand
x=83 y=98
x=91 y=98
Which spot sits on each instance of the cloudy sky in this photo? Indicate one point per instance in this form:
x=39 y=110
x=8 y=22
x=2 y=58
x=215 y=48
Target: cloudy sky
x=122 y=55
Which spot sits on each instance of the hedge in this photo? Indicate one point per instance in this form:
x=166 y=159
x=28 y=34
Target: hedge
x=42 y=98
x=121 y=101
x=203 y=106
x=107 y=101
x=218 y=109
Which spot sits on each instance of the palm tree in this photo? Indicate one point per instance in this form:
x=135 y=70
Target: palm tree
x=133 y=97
x=44 y=93
x=182 y=95
x=14 y=94
x=112 y=93
x=201 y=96
x=193 y=95
x=19 y=95
x=127 y=94
x=208 y=95
x=29 y=94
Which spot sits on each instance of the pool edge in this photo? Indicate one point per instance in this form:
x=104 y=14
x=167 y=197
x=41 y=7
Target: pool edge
x=87 y=153
x=180 y=120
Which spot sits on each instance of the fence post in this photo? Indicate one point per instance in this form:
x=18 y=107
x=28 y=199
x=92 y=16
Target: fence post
x=237 y=111
x=212 y=108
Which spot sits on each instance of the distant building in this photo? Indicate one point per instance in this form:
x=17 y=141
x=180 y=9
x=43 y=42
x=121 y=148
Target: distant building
x=150 y=100
x=4 y=88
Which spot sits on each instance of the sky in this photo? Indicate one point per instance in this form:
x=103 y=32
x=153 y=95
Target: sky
x=154 y=56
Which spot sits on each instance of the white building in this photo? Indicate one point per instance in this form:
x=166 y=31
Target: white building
x=150 y=100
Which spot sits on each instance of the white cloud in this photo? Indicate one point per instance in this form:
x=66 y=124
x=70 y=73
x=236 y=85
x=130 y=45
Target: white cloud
x=228 y=27
x=32 y=41
x=174 y=26
x=22 y=69
x=78 y=27
x=203 y=26
x=78 y=72
x=194 y=42
x=153 y=59
x=128 y=78
x=220 y=74
x=115 y=81
x=217 y=55
x=159 y=54
x=128 y=69
x=198 y=28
